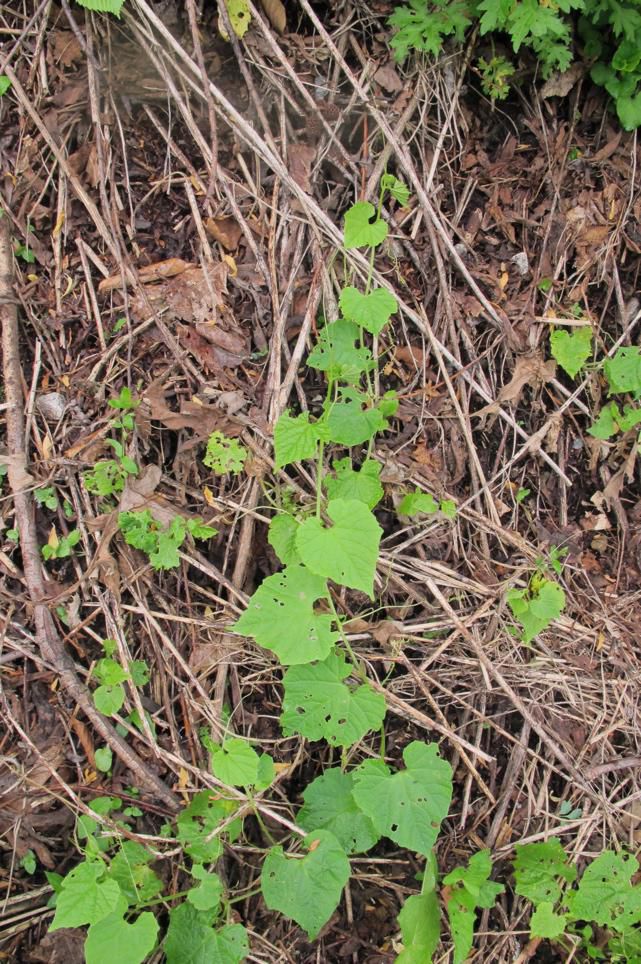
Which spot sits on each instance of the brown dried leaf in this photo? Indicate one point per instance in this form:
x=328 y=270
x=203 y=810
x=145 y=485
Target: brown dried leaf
x=195 y=415
x=388 y=78
x=529 y=370
x=388 y=632
x=275 y=14
x=65 y=48
x=226 y=231
x=301 y=157
x=159 y=271
x=560 y=84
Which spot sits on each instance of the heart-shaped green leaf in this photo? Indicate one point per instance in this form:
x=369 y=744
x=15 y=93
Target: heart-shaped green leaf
x=346 y=552
x=407 y=806
x=363 y=227
x=319 y=705
x=306 y=889
x=281 y=616
x=371 y=311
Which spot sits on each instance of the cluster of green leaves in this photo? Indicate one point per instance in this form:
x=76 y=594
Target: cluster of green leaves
x=60 y=547
x=622 y=373
x=423 y=503
x=326 y=693
x=111 y=676
x=161 y=543
x=609 y=30
x=108 y=477
x=224 y=455
x=605 y=896
x=542 y=601
x=113 y=890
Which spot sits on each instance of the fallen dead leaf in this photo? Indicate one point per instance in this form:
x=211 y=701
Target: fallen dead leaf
x=528 y=370
x=159 y=271
x=201 y=418
x=226 y=231
x=388 y=633
x=301 y=157
x=65 y=48
x=560 y=84
x=388 y=78
x=275 y=14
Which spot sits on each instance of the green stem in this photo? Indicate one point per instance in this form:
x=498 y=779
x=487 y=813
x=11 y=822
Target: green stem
x=319 y=479
x=356 y=663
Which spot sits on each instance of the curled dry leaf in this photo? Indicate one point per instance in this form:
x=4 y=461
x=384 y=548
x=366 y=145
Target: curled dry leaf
x=560 y=84
x=529 y=370
x=226 y=231
x=158 y=271
x=275 y=14
x=201 y=418
x=301 y=157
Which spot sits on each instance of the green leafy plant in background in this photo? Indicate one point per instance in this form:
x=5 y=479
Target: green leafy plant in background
x=536 y=606
x=114 y=891
x=328 y=545
x=161 y=542
x=60 y=547
x=103 y=6
x=224 y=455
x=601 y=912
x=109 y=476
x=46 y=496
x=609 y=31
x=111 y=676
x=496 y=75
x=622 y=373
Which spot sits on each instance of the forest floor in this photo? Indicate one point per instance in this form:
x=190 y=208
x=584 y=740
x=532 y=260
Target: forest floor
x=180 y=239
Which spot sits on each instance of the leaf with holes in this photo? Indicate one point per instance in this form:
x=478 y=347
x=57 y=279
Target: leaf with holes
x=307 y=890
x=571 y=349
x=363 y=227
x=346 y=552
x=606 y=894
x=281 y=617
x=407 y=806
x=371 y=311
x=295 y=439
x=239 y=17
x=537 y=867
x=362 y=484
x=329 y=805
x=337 y=354
x=224 y=455
x=318 y=704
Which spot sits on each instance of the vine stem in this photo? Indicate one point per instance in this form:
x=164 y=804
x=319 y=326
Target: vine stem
x=352 y=655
